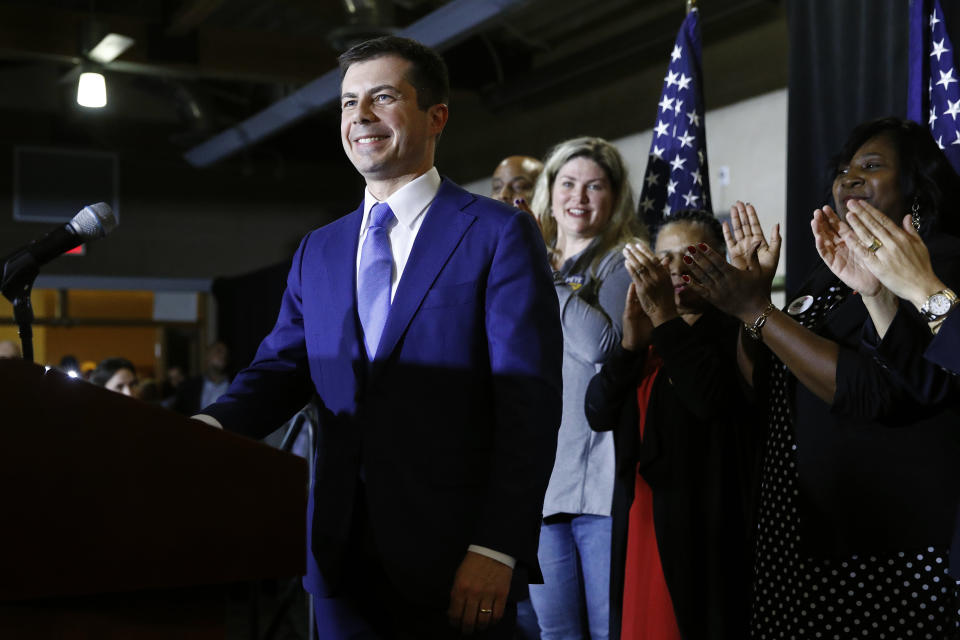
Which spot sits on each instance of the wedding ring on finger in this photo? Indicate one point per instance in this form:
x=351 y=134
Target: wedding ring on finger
x=876 y=244
x=486 y=611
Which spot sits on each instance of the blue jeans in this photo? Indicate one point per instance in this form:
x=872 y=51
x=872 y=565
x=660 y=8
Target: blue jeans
x=575 y=594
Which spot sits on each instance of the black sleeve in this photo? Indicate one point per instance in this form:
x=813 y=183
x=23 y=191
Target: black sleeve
x=901 y=351
x=610 y=388
x=701 y=362
x=871 y=388
x=944 y=351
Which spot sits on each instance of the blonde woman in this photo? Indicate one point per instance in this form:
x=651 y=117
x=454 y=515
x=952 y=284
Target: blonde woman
x=584 y=205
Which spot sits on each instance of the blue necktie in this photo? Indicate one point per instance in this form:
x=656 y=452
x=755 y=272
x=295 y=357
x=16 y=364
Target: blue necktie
x=373 y=278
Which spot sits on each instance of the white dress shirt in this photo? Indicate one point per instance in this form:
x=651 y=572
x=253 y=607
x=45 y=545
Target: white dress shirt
x=409 y=203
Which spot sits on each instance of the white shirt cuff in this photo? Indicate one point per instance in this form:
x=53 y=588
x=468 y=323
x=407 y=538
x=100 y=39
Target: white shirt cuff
x=210 y=420
x=510 y=561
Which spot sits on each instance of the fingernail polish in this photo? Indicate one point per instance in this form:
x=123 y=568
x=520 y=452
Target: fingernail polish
x=692 y=249
x=688 y=259
x=702 y=246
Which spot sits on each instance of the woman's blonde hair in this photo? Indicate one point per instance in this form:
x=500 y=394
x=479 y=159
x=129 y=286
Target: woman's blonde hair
x=624 y=223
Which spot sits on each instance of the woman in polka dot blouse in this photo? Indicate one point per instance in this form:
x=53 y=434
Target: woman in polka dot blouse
x=860 y=473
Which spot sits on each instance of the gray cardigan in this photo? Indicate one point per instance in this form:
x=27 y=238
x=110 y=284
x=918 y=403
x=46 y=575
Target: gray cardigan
x=591 y=308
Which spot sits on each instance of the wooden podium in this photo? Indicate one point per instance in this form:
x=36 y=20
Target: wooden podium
x=119 y=519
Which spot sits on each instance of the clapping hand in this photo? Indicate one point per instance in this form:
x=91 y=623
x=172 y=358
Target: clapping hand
x=742 y=293
x=651 y=282
x=743 y=233
x=831 y=235
x=899 y=259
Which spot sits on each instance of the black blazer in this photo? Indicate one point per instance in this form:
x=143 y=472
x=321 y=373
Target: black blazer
x=880 y=466
x=699 y=455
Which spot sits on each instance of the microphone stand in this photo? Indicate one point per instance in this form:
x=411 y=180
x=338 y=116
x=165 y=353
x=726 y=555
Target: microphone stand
x=19 y=274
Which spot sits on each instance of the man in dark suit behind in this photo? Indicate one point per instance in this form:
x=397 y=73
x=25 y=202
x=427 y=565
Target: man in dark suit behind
x=197 y=392
x=427 y=326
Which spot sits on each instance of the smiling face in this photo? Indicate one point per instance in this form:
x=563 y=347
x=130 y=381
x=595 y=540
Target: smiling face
x=873 y=174
x=386 y=136
x=581 y=199
x=671 y=245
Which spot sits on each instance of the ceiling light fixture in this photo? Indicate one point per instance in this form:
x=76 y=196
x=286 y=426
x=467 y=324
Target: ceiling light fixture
x=92 y=90
x=111 y=46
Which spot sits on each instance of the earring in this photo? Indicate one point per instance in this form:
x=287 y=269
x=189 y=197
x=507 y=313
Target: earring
x=915 y=214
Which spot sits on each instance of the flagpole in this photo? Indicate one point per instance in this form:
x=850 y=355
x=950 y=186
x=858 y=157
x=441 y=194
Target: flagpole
x=691 y=5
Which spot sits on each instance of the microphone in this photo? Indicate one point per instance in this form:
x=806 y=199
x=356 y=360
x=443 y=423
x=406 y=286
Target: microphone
x=92 y=222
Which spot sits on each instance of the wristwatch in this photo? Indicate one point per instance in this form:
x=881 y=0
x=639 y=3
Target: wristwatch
x=938 y=305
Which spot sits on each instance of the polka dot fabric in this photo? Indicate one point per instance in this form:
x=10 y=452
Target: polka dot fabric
x=888 y=596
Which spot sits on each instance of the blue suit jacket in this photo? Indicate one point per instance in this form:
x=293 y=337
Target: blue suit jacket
x=453 y=426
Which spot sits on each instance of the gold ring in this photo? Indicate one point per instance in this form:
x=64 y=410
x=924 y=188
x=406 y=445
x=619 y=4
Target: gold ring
x=876 y=244
x=486 y=610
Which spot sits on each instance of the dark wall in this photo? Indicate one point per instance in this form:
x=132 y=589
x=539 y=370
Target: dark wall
x=178 y=221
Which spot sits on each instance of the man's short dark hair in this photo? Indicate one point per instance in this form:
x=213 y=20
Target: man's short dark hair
x=428 y=71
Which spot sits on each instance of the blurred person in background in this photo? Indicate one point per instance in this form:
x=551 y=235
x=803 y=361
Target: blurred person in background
x=514 y=179
x=201 y=391
x=116 y=374
x=10 y=350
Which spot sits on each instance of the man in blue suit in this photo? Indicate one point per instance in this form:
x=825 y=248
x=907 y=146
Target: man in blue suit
x=427 y=326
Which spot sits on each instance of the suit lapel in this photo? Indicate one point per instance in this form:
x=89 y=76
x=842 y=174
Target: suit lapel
x=441 y=232
x=339 y=257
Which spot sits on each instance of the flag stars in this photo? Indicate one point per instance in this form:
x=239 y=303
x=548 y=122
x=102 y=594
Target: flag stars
x=677 y=162
x=697 y=177
x=661 y=128
x=671 y=78
x=666 y=104
x=666 y=210
x=946 y=78
x=933 y=19
x=939 y=49
x=694 y=118
x=657 y=152
x=678 y=53
x=953 y=109
x=677 y=106
x=683 y=82
x=957 y=141
x=647 y=204
x=672 y=187
x=933 y=115
x=690 y=199
x=686 y=140
x=940 y=142
x=652 y=180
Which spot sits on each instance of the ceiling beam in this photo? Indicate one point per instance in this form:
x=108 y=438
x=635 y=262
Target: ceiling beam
x=30 y=33
x=191 y=15
x=441 y=29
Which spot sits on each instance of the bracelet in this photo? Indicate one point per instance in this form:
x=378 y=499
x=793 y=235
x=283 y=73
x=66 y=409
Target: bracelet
x=753 y=330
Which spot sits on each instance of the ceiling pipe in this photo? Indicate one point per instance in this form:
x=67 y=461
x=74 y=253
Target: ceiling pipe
x=366 y=19
x=440 y=29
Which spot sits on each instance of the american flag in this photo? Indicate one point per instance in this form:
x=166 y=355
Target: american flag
x=677 y=176
x=934 y=93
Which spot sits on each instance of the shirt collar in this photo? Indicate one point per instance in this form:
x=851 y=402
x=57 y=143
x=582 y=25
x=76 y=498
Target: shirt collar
x=410 y=200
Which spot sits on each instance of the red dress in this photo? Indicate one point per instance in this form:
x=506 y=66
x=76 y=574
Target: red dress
x=647 y=608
